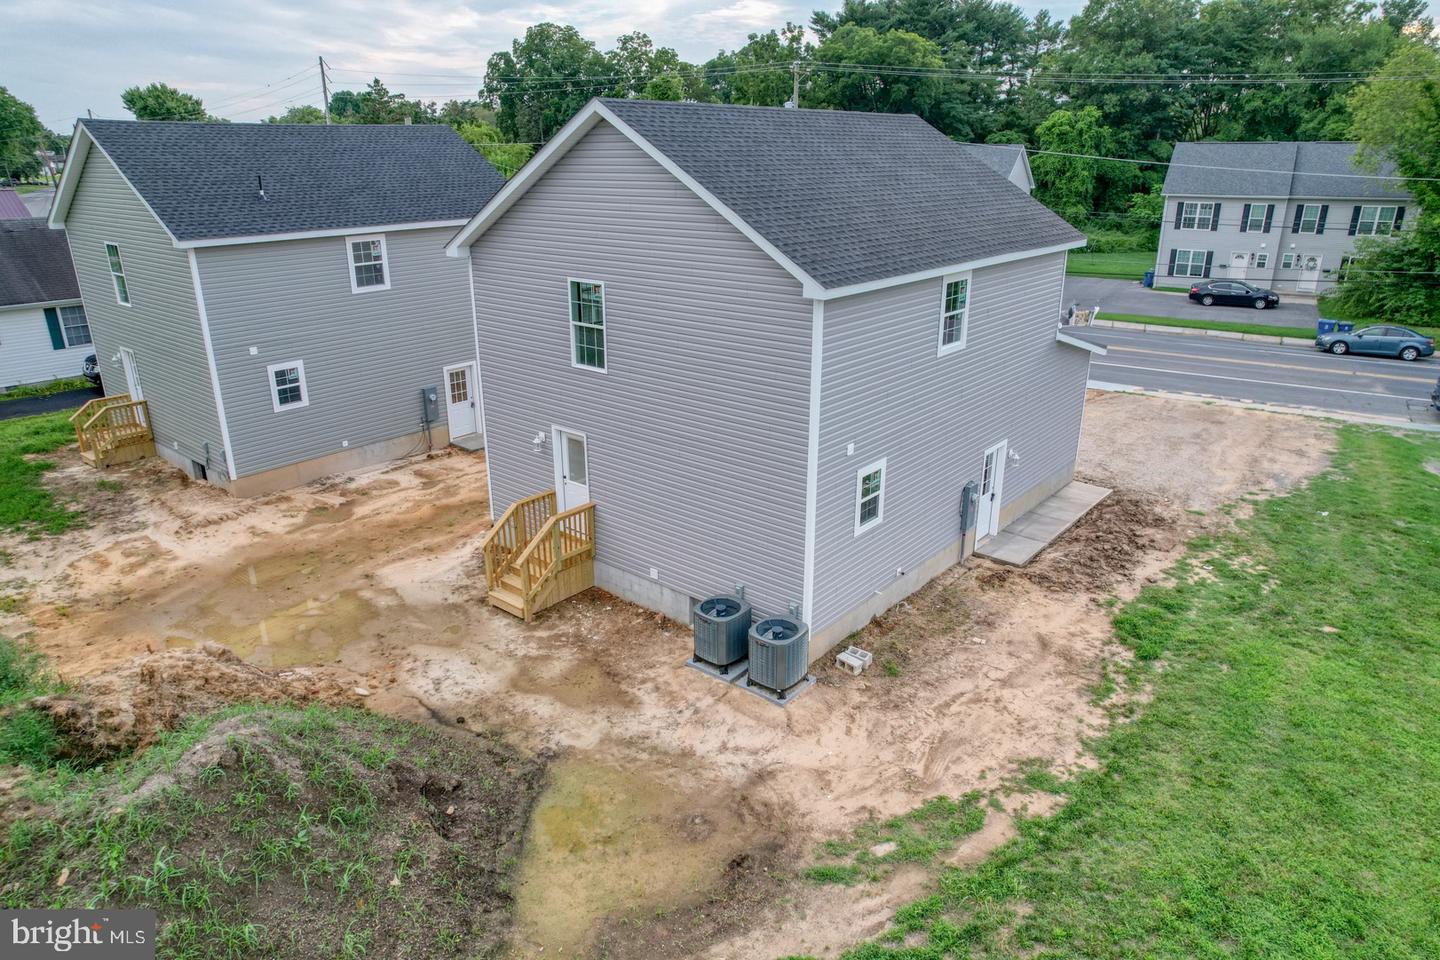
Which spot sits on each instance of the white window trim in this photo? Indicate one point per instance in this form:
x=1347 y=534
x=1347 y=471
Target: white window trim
x=1195 y=220
x=1190 y=261
x=1305 y=208
x=350 y=262
x=65 y=332
x=942 y=347
x=1377 y=221
x=275 y=403
x=859 y=482
x=119 y=255
x=571 y=324
x=1257 y=212
x=1262 y=260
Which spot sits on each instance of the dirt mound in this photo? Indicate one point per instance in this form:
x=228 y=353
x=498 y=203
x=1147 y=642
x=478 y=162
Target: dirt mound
x=295 y=833
x=125 y=708
x=1106 y=546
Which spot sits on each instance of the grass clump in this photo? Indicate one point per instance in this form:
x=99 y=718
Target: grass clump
x=25 y=505
x=26 y=736
x=48 y=389
x=1275 y=797
x=288 y=832
x=915 y=837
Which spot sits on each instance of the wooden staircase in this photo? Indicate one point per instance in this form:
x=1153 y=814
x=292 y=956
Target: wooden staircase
x=535 y=557
x=114 y=429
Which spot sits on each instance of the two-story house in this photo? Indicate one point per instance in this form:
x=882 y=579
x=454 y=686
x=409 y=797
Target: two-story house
x=772 y=346
x=1278 y=215
x=279 y=295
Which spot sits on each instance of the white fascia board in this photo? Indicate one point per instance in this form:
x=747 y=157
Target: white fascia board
x=312 y=234
x=516 y=186
x=74 y=160
x=854 y=288
x=56 y=208
x=1094 y=348
x=812 y=458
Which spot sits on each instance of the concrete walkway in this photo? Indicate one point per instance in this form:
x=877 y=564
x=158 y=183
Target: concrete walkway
x=1032 y=532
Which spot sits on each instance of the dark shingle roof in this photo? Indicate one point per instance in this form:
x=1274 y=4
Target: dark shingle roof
x=848 y=197
x=34 y=264
x=1306 y=169
x=200 y=178
x=999 y=157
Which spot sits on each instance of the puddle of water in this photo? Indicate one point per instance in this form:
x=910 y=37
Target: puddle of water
x=581 y=685
x=605 y=841
x=310 y=632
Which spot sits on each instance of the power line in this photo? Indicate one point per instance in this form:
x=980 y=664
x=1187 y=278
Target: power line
x=269 y=88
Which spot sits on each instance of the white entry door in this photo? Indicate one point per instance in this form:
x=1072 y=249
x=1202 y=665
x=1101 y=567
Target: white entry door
x=572 y=470
x=1238 y=263
x=992 y=475
x=132 y=378
x=462 y=406
x=1309 y=272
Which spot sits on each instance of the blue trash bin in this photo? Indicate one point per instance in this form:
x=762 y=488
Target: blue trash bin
x=1345 y=327
x=1323 y=326
x=1149 y=280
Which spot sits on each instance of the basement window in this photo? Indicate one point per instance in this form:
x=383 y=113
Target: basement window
x=369 y=269
x=869 y=496
x=287 y=385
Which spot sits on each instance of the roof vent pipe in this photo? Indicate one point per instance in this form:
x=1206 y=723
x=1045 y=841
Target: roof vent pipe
x=260 y=182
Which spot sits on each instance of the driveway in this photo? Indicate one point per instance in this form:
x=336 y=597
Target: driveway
x=1127 y=296
x=29 y=406
x=38 y=202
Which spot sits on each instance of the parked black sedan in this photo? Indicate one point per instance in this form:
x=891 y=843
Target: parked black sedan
x=91 y=370
x=1233 y=293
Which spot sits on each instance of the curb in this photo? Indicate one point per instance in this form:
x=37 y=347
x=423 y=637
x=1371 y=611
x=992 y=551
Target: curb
x=1201 y=332
x=1340 y=416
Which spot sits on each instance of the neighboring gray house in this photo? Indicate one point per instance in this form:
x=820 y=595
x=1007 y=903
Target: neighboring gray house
x=1010 y=160
x=771 y=346
x=279 y=294
x=1278 y=215
x=44 y=334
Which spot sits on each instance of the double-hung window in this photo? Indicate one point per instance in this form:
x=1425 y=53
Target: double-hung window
x=1255 y=223
x=954 y=313
x=117 y=274
x=1189 y=263
x=76 y=328
x=369 y=269
x=1375 y=222
x=1309 y=218
x=287 y=385
x=869 y=496
x=587 y=324
x=1197 y=216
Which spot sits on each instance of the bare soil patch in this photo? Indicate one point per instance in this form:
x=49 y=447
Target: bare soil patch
x=376 y=577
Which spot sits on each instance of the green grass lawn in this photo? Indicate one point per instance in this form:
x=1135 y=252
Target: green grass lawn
x=1276 y=798
x=31 y=187
x=25 y=505
x=46 y=389
x=1116 y=266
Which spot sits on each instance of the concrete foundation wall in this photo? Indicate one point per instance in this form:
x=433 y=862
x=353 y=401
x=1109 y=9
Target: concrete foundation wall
x=345 y=461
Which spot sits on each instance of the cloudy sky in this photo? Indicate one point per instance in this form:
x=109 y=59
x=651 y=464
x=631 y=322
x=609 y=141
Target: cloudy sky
x=251 y=59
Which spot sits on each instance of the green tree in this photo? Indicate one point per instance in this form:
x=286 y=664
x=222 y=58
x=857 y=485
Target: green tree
x=885 y=89
x=300 y=114
x=20 y=136
x=506 y=157
x=1075 y=185
x=377 y=104
x=160 y=101
x=543 y=80
x=759 y=73
x=1397 y=119
x=668 y=87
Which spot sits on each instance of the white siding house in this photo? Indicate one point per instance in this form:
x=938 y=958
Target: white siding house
x=44 y=333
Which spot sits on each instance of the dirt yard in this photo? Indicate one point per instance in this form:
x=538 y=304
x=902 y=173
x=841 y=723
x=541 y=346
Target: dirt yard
x=668 y=792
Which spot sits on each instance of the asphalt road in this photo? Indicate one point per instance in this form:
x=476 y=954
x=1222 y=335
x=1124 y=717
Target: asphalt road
x=29 y=406
x=1126 y=296
x=1265 y=373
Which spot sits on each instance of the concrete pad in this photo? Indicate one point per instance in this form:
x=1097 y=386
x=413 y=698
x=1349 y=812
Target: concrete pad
x=470 y=441
x=1033 y=531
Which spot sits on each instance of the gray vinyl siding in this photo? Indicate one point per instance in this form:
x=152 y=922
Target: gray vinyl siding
x=884 y=389
x=366 y=355
x=698 y=430
x=162 y=324
x=1331 y=246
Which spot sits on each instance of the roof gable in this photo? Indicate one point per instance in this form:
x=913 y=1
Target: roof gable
x=203 y=181
x=35 y=264
x=841 y=200
x=1307 y=169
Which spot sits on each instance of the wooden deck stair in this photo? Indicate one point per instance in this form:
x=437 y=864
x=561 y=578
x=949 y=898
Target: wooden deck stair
x=114 y=429
x=535 y=557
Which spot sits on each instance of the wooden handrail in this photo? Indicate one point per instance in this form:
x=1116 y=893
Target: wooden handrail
x=564 y=537
x=513 y=532
x=116 y=423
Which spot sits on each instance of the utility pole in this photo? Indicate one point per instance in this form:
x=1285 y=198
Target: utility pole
x=795 y=89
x=324 y=88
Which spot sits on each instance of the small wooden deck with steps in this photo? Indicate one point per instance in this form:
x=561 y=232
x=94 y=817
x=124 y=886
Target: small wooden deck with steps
x=535 y=557
x=114 y=429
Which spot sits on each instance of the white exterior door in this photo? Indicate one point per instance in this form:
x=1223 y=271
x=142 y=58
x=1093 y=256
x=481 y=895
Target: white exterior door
x=1309 y=272
x=1238 y=262
x=462 y=406
x=572 y=470
x=992 y=475
x=132 y=378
